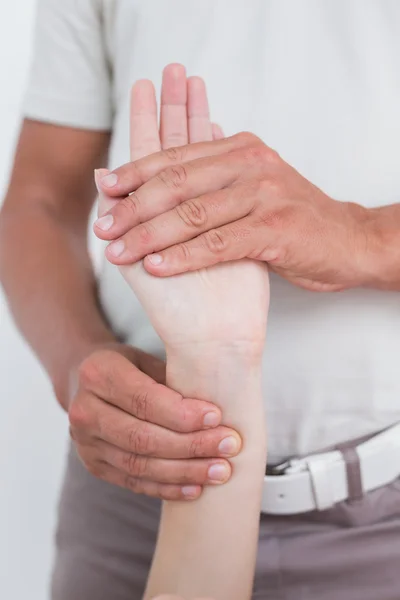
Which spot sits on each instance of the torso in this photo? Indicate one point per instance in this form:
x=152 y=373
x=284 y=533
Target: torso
x=320 y=83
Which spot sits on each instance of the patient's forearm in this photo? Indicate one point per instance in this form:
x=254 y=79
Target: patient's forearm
x=208 y=547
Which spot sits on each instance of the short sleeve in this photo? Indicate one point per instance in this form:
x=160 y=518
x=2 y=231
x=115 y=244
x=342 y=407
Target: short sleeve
x=70 y=78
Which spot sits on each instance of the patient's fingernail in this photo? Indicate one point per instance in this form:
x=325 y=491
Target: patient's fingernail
x=116 y=248
x=105 y=223
x=109 y=180
x=155 y=259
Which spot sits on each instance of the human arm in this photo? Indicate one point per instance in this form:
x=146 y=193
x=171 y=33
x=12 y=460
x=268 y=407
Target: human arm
x=44 y=261
x=208 y=548
x=253 y=205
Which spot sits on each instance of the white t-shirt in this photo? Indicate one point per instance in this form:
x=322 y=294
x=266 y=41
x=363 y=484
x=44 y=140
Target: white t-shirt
x=317 y=81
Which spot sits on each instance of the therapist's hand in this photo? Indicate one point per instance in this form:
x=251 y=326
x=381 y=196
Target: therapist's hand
x=218 y=201
x=130 y=430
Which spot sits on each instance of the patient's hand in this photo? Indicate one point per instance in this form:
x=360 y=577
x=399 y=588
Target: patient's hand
x=224 y=305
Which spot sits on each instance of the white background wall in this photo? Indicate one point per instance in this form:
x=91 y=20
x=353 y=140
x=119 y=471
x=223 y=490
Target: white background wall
x=33 y=429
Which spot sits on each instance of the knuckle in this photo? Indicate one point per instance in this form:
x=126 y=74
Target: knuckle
x=130 y=204
x=247 y=138
x=183 y=252
x=254 y=154
x=215 y=241
x=174 y=177
x=174 y=154
x=138 y=175
x=266 y=191
x=89 y=372
x=141 y=441
x=271 y=156
x=132 y=484
x=135 y=465
x=197 y=447
x=146 y=234
x=260 y=155
x=79 y=417
x=192 y=213
x=140 y=405
x=273 y=188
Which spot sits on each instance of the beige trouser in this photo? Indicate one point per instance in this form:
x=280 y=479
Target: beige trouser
x=106 y=537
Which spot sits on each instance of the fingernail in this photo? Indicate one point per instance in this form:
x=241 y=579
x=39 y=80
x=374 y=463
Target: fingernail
x=97 y=178
x=190 y=491
x=218 y=473
x=109 y=180
x=155 y=259
x=229 y=446
x=116 y=248
x=211 y=419
x=105 y=223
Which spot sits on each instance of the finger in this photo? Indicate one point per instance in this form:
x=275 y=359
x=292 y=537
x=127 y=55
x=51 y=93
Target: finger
x=164 y=192
x=140 y=437
x=148 y=488
x=105 y=202
x=223 y=244
x=114 y=379
x=195 y=471
x=144 y=138
x=186 y=221
x=199 y=124
x=217 y=132
x=131 y=176
x=173 y=126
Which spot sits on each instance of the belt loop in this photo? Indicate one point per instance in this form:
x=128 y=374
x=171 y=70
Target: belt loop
x=353 y=471
x=321 y=482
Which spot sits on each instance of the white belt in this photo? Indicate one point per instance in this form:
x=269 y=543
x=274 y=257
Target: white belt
x=319 y=481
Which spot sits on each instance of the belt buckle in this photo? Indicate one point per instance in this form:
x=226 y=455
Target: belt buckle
x=288 y=467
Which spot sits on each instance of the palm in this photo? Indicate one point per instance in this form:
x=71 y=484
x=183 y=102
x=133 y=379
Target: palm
x=223 y=304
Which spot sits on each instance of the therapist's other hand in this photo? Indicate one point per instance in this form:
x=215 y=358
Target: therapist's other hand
x=132 y=431
x=218 y=201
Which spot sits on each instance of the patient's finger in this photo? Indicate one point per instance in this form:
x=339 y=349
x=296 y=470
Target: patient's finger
x=145 y=138
x=173 y=126
x=200 y=129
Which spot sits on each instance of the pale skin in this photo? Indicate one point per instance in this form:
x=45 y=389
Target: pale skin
x=212 y=323
x=128 y=427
